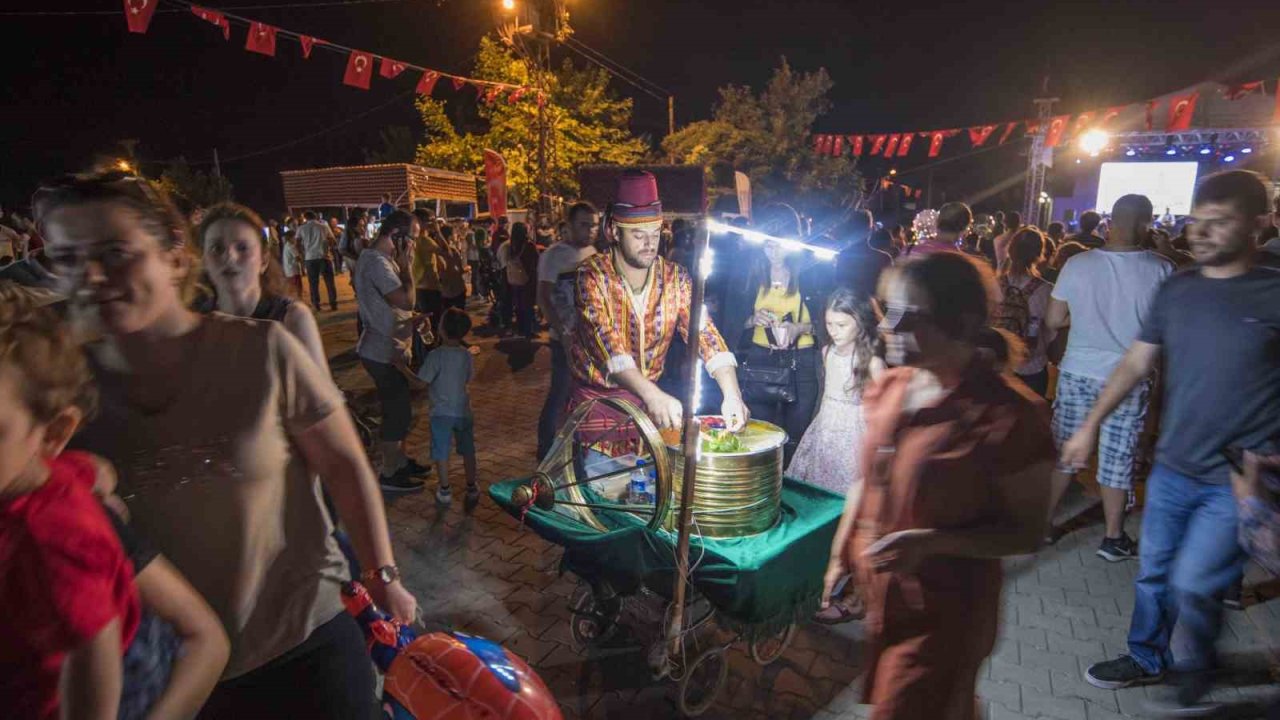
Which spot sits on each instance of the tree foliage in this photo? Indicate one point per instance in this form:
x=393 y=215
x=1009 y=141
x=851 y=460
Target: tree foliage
x=589 y=124
x=398 y=146
x=193 y=188
x=768 y=136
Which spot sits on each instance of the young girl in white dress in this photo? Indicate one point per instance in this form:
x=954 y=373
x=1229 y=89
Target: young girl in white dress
x=828 y=454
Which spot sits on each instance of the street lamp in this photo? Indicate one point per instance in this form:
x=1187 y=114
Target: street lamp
x=123 y=165
x=508 y=5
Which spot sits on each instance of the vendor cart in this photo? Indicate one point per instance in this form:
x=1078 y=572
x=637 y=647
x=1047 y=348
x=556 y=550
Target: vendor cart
x=610 y=492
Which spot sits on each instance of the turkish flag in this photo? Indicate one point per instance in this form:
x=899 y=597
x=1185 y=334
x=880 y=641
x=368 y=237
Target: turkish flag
x=515 y=96
x=978 y=135
x=428 y=82
x=138 y=13
x=308 y=42
x=1008 y=130
x=936 y=139
x=262 y=39
x=491 y=94
x=856 y=142
x=1057 y=128
x=1235 y=92
x=904 y=147
x=877 y=143
x=837 y=147
x=1180 y=111
x=391 y=69
x=817 y=144
x=214 y=17
x=1083 y=120
x=892 y=146
x=458 y=83
x=1033 y=127
x=1109 y=115
x=359 y=70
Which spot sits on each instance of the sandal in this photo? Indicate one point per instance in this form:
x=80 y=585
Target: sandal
x=841 y=610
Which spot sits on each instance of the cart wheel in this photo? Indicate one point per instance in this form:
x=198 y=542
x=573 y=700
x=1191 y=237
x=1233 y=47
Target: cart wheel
x=589 y=623
x=767 y=649
x=702 y=682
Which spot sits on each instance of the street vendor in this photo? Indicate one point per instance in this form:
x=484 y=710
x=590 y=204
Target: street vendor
x=631 y=303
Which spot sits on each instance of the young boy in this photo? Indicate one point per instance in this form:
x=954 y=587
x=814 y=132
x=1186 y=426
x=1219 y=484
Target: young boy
x=68 y=606
x=113 y=629
x=448 y=369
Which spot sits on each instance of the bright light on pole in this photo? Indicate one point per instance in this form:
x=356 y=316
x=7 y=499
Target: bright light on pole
x=1094 y=142
x=758 y=238
x=508 y=4
x=123 y=165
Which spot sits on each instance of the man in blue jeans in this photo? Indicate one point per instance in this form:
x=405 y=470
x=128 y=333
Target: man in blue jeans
x=1216 y=327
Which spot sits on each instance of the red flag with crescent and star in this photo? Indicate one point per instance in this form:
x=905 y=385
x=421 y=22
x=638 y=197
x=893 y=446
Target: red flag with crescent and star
x=936 y=138
x=359 y=70
x=308 y=43
x=1109 y=115
x=495 y=182
x=1057 y=128
x=837 y=146
x=1235 y=92
x=261 y=39
x=877 y=143
x=855 y=145
x=515 y=96
x=1180 y=111
x=904 y=147
x=138 y=13
x=214 y=17
x=892 y=146
x=1008 y=130
x=978 y=135
x=427 y=83
x=1082 y=123
x=390 y=69
x=458 y=83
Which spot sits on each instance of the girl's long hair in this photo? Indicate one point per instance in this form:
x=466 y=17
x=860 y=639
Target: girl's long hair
x=1026 y=252
x=271 y=281
x=866 y=343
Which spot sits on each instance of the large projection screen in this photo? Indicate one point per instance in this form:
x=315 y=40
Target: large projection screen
x=1169 y=185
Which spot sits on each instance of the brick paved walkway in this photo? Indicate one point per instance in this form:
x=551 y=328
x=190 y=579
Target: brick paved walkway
x=1063 y=608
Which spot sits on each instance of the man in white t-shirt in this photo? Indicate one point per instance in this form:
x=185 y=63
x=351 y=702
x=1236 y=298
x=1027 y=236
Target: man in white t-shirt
x=557 y=275
x=1104 y=296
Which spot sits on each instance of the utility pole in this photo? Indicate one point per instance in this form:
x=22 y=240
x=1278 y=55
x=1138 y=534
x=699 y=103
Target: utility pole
x=217 y=167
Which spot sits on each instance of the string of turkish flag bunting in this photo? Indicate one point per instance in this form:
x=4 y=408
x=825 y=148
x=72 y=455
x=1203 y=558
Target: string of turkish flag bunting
x=261 y=38
x=1060 y=128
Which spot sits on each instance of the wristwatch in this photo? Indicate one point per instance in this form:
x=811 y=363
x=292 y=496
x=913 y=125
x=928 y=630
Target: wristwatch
x=384 y=575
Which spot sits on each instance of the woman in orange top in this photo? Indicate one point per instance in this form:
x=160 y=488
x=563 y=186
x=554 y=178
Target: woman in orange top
x=956 y=464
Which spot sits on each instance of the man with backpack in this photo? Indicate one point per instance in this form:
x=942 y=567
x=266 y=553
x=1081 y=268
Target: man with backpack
x=1104 y=296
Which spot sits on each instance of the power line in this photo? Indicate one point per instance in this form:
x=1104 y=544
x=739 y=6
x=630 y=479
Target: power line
x=312 y=136
x=613 y=72
x=276 y=6
x=620 y=70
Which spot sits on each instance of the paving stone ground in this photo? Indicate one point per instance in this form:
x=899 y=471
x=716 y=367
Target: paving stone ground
x=1063 y=608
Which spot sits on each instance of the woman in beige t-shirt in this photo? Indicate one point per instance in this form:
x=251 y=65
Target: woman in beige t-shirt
x=215 y=425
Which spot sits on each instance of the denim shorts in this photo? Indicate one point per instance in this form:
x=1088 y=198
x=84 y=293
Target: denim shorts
x=459 y=429
x=1121 y=431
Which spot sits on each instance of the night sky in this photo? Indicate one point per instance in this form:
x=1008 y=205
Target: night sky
x=80 y=84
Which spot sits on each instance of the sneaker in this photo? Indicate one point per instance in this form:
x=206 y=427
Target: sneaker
x=400 y=481
x=472 y=498
x=417 y=470
x=1122 y=672
x=1118 y=549
x=444 y=496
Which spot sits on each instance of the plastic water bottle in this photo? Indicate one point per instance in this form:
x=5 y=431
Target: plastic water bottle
x=639 y=483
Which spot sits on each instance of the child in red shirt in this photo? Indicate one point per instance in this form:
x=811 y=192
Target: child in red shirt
x=68 y=606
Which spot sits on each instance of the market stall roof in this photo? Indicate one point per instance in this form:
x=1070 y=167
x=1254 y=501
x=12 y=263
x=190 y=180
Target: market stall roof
x=364 y=185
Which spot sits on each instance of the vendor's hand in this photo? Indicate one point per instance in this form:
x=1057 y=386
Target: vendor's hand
x=901 y=551
x=735 y=413
x=1076 y=451
x=664 y=410
x=395 y=600
x=835 y=571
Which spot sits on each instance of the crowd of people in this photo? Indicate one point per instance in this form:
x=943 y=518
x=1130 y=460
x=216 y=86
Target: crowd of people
x=175 y=458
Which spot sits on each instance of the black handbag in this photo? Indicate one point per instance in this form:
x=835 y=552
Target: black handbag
x=769 y=384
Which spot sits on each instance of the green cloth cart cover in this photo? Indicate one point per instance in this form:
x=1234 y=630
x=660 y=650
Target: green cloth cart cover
x=762 y=581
